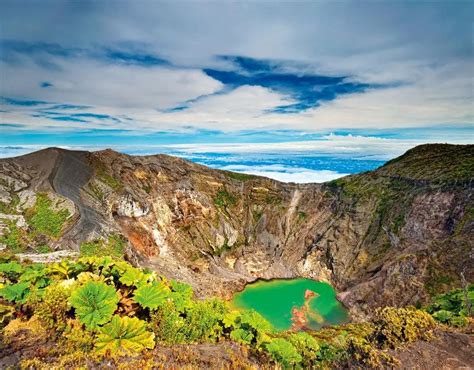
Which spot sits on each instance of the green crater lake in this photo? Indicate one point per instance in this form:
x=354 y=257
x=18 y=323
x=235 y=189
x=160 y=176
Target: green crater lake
x=275 y=300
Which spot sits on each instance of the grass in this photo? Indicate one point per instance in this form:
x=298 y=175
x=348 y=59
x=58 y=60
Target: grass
x=240 y=176
x=109 y=180
x=13 y=238
x=113 y=246
x=10 y=208
x=43 y=249
x=222 y=249
x=44 y=219
x=437 y=163
x=97 y=192
x=224 y=199
x=103 y=175
x=273 y=199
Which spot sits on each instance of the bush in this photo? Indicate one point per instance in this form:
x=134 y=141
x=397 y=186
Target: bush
x=109 y=305
x=307 y=346
x=395 y=326
x=248 y=327
x=283 y=352
x=453 y=307
x=53 y=307
x=199 y=321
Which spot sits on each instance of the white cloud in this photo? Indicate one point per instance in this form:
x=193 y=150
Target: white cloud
x=349 y=146
x=89 y=82
x=286 y=173
x=424 y=50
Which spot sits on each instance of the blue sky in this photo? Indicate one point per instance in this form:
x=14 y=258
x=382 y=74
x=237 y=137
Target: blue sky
x=291 y=90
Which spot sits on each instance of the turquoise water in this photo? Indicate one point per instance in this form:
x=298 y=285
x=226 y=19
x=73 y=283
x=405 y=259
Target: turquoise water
x=275 y=300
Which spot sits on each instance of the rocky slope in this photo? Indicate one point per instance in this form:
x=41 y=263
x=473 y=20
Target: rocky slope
x=392 y=236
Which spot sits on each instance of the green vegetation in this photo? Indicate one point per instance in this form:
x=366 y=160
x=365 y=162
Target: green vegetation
x=224 y=247
x=43 y=249
x=438 y=163
x=224 y=199
x=301 y=216
x=239 y=176
x=273 y=199
x=113 y=246
x=437 y=280
x=284 y=352
x=100 y=308
x=10 y=208
x=14 y=238
x=124 y=336
x=395 y=326
x=44 y=219
x=96 y=191
x=454 y=307
x=95 y=302
x=151 y=296
x=104 y=176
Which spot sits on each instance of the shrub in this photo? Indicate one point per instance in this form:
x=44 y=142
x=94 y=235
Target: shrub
x=53 y=307
x=453 y=307
x=167 y=323
x=395 y=326
x=202 y=321
x=15 y=292
x=133 y=277
x=43 y=249
x=199 y=321
x=74 y=338
x=307 y=346
x=6 y=314
x=284 y=352
x=248 y=327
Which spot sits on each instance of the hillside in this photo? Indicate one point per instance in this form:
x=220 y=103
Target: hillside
x=406 y=227
x=396 y=236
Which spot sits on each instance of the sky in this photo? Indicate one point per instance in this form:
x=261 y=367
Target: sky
x=302 y=91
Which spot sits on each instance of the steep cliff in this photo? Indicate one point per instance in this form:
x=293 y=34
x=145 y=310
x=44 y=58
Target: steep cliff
x=393 y=236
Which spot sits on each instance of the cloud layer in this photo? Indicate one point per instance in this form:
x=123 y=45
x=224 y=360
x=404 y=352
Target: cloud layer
x=235 y=66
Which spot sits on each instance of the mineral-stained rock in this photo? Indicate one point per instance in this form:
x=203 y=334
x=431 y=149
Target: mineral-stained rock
x=391 y=236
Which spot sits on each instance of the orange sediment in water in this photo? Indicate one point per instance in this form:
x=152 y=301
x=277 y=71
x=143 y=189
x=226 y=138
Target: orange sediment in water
x=293 y=304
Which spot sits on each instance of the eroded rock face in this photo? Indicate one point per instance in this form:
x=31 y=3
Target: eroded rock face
x=129 y=207
x=380 y=238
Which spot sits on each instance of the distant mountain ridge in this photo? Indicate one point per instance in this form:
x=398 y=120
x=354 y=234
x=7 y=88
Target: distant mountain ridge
x=393 y=236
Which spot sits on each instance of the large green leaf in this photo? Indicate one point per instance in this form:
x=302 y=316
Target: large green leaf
x=35 y=274
x=133 y=277
x=443 y=315
x=151 y=296
x=241 y=336
x=15 y=292
x=181 y=295
x=95 y=302
x=124 y=336
x=10 y=267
